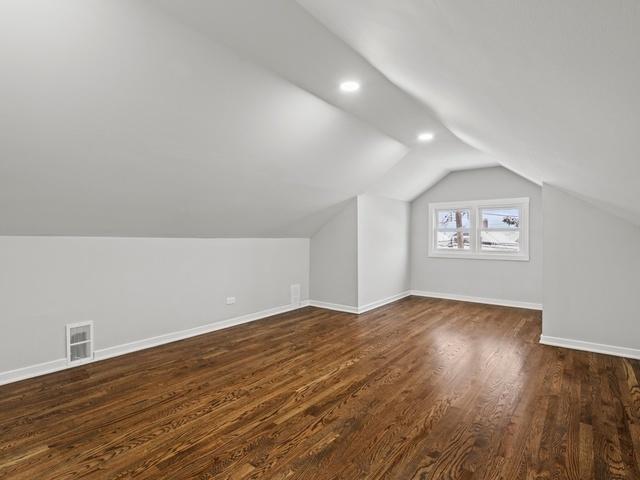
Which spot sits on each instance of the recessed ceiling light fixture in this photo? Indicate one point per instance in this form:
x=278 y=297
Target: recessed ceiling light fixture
x=350 y=86
x=426 y=137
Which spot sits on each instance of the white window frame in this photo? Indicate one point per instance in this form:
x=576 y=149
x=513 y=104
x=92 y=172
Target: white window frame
x=475 y=229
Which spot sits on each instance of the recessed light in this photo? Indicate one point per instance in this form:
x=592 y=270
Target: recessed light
x=426 y=136
x=350 y=86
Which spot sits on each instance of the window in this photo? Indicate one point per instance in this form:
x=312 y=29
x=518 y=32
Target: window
x=485 y=229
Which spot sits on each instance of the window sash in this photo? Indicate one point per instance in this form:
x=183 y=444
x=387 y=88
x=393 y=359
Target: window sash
x=468 y=230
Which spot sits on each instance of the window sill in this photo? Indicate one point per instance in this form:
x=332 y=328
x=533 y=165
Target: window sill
x=480 y=256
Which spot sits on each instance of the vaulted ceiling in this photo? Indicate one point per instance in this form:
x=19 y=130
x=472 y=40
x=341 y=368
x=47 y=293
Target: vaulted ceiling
x=548 y=88
x=224 y=118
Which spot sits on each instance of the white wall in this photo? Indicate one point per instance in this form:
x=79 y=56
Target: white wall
x=134 y=288
x=591 y=265
x=383 y=248
x=514 y=281
x=334 y=259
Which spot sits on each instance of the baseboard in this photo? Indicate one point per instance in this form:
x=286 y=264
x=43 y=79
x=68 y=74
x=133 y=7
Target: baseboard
x=358 y=310
x=590 y=347
x=384 y=301
x=488 y=301
x=109 y=352
x=333 y=306
x=117 y=350
x=33 y=371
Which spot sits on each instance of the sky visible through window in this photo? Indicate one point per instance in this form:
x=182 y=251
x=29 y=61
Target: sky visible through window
x=500 y=217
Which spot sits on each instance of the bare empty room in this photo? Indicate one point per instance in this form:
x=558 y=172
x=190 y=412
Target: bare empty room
x=319 y=239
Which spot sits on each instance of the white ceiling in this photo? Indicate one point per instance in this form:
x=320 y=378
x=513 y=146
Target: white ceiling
x=223 y=118
x=124 y=117
x=548 y=88
x=284 y=38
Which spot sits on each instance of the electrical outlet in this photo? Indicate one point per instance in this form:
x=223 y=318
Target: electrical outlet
x=231 y=300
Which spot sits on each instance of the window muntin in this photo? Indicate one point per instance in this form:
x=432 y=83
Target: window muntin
x=487 y=229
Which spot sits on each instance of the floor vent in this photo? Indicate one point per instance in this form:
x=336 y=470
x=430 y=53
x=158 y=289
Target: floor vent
x=79 y=343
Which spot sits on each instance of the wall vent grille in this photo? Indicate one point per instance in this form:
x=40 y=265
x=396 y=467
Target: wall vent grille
x=79 y=343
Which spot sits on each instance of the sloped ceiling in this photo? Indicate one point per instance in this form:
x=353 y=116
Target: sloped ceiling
x=548 y=88
x=284 y=38
x=223 y=118
x=193 y=118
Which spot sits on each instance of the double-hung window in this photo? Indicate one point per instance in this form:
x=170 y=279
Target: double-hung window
x=485 y=229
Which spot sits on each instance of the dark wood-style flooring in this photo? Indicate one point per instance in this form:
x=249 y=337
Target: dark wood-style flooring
x=419 y=389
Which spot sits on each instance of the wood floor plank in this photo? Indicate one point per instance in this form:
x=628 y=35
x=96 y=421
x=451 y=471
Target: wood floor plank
x=421 y=388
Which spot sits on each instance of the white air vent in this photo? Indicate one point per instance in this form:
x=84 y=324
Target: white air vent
x=79 y=342
x=295 y=294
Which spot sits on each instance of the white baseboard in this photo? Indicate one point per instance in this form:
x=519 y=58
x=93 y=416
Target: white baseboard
x=488 y=301
x=33 y=371
x=109 y=352
x=358 y=310
x=104 y=353
x=590 y=347
x=333 y=306
x=384 y=301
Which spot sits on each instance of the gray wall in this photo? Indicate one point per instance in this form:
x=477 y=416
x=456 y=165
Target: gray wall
x=134 y=288
x=334 y=259
x=495 y=279
x=383 y=248
x=591 y=265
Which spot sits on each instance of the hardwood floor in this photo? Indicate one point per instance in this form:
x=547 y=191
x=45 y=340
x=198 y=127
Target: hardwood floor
x=422 y=388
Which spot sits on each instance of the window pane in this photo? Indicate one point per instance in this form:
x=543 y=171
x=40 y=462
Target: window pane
x=454 y=218
x=507 y=241
x=449 y=240
x=508 y=218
